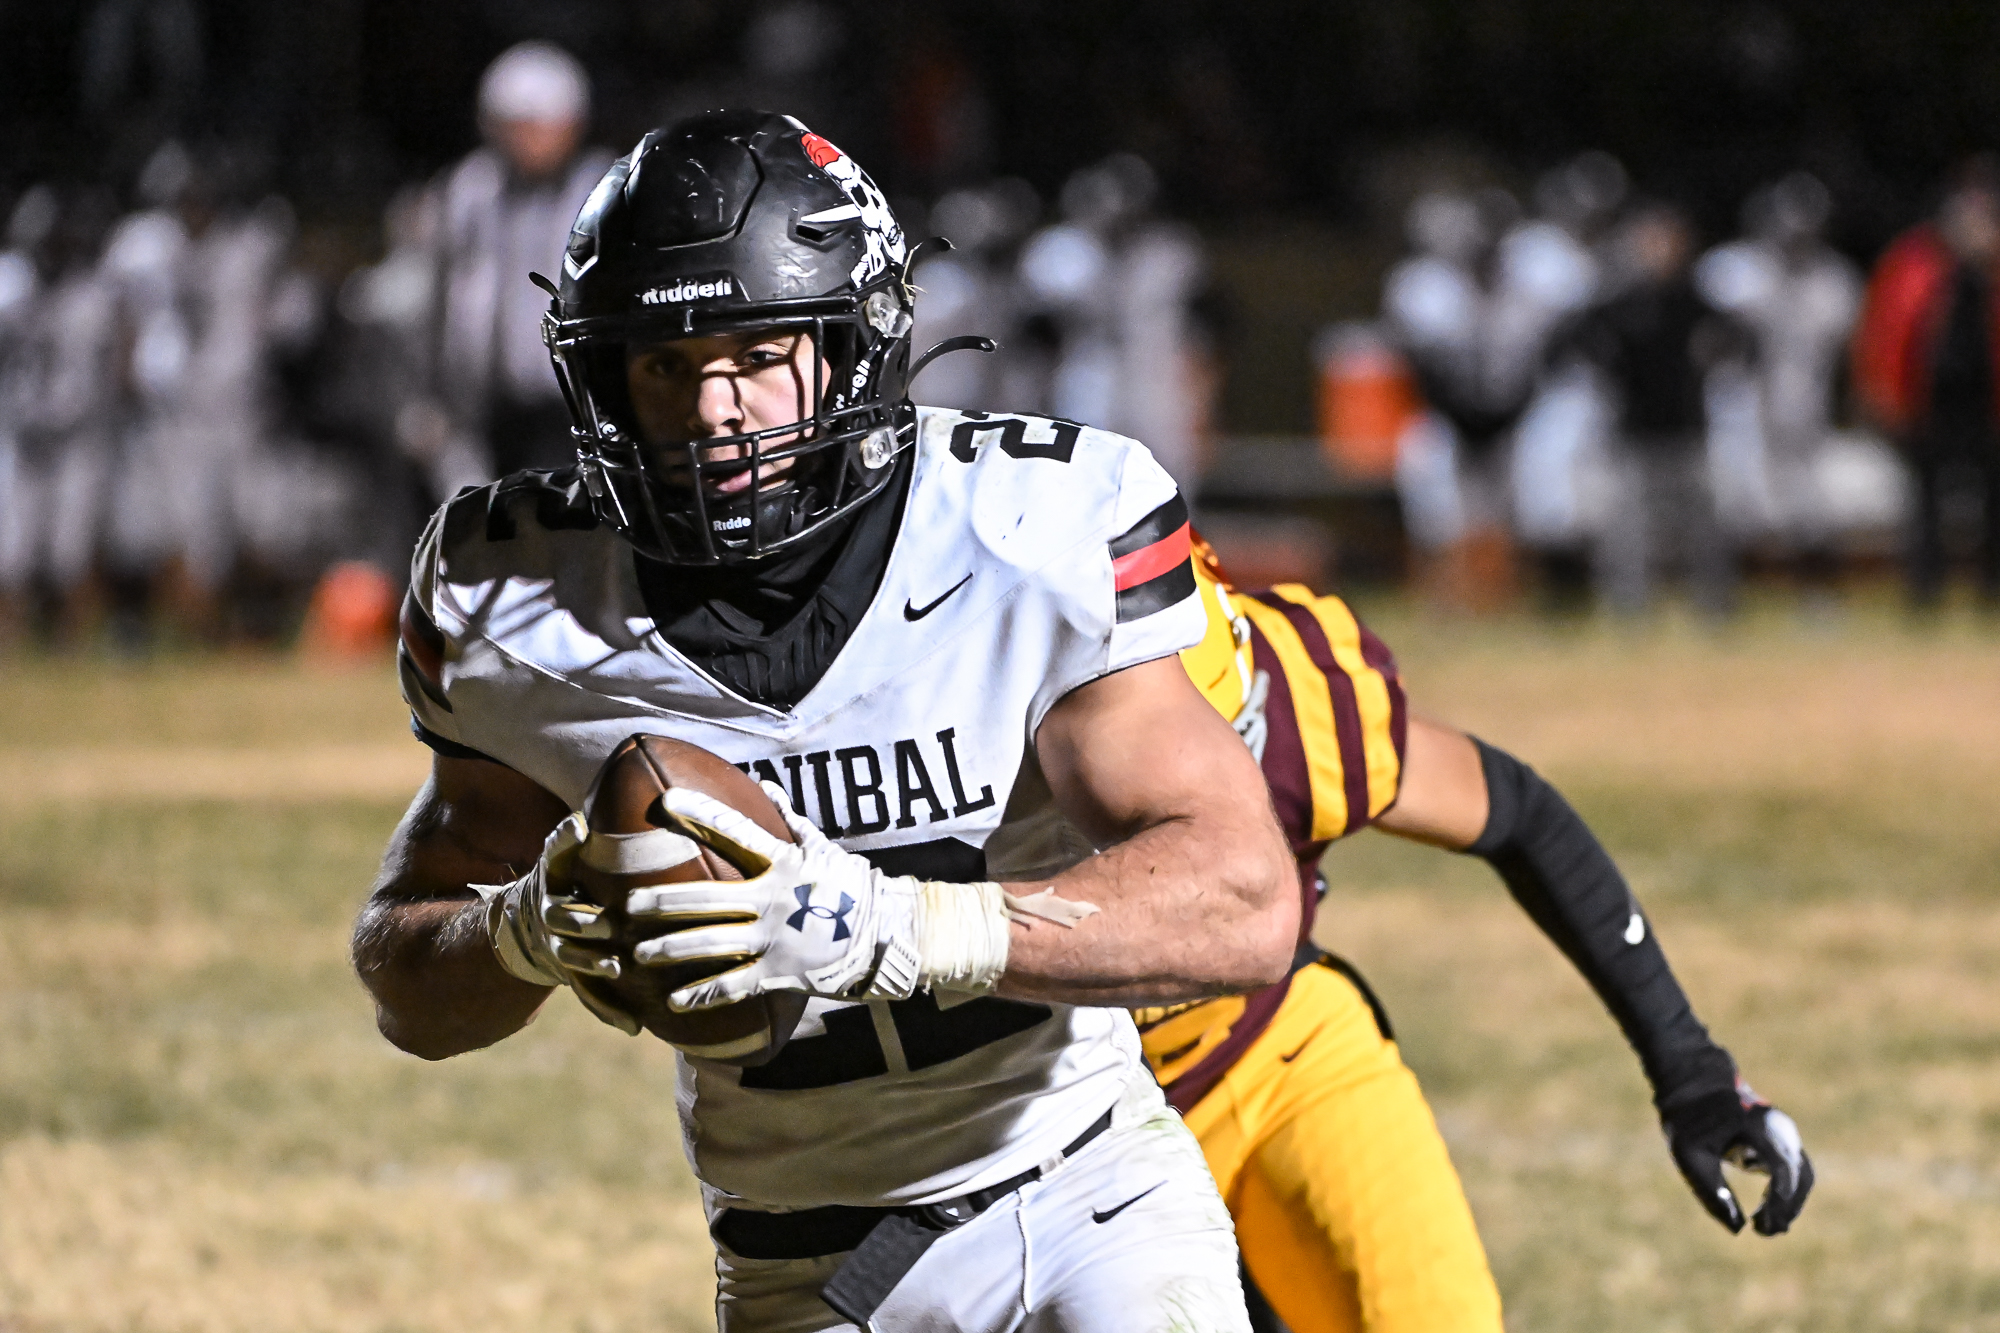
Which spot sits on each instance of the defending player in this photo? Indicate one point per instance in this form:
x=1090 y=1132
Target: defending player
x=1347 y=1208
x=947 y=644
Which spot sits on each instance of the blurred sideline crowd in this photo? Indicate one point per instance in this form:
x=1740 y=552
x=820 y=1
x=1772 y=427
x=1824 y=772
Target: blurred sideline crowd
x=1578 y=388
x=197 y=428
x=200 y=432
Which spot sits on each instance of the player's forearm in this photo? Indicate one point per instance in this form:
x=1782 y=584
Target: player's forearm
x=439 y=989
x=421 y=944
x=1467 y=796
x=1185 y=910
x=1568 y=884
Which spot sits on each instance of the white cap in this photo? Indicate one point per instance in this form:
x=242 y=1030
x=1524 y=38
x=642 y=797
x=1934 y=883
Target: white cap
x=534 y=81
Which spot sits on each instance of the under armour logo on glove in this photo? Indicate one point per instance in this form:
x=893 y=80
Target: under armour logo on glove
x=837 y=915
x=891 y=935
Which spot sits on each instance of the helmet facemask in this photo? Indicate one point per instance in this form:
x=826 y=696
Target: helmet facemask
x=735 y=222
x=665 y=496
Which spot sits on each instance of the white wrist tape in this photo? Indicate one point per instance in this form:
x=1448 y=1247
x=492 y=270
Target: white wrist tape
x=962 y=930
x=961 y=936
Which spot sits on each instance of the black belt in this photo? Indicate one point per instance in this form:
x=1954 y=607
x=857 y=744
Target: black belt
x=886 y=1242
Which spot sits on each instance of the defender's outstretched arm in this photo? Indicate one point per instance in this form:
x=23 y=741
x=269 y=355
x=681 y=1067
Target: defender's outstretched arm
x=1462 y=794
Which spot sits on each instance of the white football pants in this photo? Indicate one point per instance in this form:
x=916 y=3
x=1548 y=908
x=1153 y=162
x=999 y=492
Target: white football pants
x=1129 y=1236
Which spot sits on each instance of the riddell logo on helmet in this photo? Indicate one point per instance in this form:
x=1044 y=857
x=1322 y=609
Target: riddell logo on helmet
x=706 y=287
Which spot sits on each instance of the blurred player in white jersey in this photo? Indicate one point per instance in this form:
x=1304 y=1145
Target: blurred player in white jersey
x=946 y=641
x=503 y=210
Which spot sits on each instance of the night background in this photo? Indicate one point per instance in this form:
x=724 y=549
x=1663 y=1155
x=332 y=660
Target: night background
x=1292 y=133
x=1379 y=284
x=1250 y=111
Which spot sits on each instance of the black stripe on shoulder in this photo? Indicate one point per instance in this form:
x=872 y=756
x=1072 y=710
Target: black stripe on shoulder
x=560 y=499
x=465 y=518
x=1157 y=593
x=1168 y=519
x=449 y=749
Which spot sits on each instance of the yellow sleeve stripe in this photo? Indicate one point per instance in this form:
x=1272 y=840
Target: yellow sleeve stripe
x=1312 y=704
x=1371 y=694
x=1212 y=664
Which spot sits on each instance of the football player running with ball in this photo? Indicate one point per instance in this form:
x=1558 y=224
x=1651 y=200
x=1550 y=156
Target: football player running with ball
x=947 y=643
x=1347 y=1208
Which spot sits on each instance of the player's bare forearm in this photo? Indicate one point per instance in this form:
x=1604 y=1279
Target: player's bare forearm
x=438 y=989
x=420 y=942
x=1196 y=892
x=1168 y=926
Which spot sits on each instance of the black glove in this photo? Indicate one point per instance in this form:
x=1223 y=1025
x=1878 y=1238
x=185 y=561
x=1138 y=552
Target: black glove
x=1736 y=1125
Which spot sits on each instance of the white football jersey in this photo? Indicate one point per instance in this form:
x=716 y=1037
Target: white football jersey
x=1034 y=556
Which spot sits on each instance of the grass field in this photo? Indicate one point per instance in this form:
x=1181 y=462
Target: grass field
x=200 y=1130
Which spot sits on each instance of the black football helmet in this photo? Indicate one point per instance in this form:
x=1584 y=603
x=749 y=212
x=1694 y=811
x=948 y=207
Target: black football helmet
x=727 y=222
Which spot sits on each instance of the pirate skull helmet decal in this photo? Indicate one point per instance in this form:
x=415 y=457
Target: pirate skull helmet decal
x=882 y=233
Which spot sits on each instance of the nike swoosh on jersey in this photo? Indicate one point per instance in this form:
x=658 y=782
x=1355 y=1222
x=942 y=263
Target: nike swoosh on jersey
x=919 y=612
x=1110 y=1213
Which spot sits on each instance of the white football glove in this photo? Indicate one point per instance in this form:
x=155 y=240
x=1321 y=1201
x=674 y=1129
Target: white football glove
x=817 y=918
x=541 y=930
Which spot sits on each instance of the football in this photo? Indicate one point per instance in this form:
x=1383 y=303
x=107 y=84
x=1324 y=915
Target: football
x=624 y=799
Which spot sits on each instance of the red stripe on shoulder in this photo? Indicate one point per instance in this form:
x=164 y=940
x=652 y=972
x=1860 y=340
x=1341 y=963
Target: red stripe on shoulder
x=1149 y=562
x=422 y=640
x=1373 y=651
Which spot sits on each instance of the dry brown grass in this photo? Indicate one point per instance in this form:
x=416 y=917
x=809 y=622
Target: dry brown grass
x=124 y=1235
x=199 y=1129
x=1811 y=819
x=66 y=775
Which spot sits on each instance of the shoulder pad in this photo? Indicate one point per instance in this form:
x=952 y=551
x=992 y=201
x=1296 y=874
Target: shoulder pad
x=552 y=500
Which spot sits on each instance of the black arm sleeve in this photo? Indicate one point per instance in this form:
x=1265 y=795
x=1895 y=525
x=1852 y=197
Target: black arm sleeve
x=1563 y=878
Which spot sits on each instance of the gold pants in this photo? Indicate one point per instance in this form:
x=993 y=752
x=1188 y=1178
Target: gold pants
x=1348 y=1211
